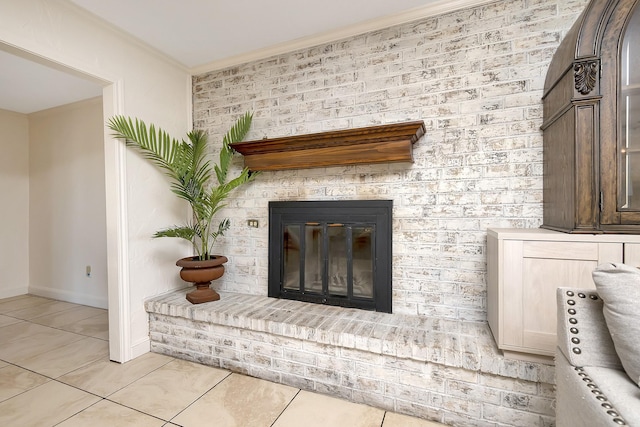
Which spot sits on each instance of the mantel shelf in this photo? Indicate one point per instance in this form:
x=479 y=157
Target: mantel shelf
x=375 y=144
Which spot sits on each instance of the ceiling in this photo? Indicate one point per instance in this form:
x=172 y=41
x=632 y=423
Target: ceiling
x=204 y=35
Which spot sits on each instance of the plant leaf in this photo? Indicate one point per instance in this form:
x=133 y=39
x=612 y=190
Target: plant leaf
x=190 y=171
x=237 y=133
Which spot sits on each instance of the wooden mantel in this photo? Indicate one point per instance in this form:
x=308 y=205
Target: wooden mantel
x=375 y=144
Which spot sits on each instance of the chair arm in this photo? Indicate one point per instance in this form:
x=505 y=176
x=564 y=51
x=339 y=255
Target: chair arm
x=583 y=336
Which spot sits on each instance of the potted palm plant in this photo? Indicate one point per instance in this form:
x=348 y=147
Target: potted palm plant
x=194 y=179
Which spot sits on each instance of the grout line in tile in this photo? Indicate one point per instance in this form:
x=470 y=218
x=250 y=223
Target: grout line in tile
x=22 y=308
x=59 y=328
x=47 y=314
x=134 y=409
x=201 y=396
x=82 y=410
x=285 y=408
x=138 y=379
x=49 y=379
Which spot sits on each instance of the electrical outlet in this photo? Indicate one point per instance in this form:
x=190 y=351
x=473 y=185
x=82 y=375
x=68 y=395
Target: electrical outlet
x=252 y=223
x=88 y=270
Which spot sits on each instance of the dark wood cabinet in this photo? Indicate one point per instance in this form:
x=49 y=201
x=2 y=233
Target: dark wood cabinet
x=591 y=131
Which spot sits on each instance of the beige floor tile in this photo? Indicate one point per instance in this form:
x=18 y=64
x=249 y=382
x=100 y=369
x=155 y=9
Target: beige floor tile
x=238 y=401
x=170 y=389
x=15 y=298
x=36 y=344
x=316 y=410
x=49 y=307
x=13 y=304
x=109 y=414
x=21 y=330
x=3 y=364
x=44 y=406
x=392 y=419
x=105 y=377
x=67 y=317
x=15 y=380
x=6 y=320
x=67 y=358
x=96 y=326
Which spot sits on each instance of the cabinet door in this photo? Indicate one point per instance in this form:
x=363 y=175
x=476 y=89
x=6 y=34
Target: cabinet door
x=620 y=120
x=632 y=254
x=537 y=270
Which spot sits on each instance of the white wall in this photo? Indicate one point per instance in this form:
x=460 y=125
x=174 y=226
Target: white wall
x=67 y=215
x=138 y=82
x=14 y=205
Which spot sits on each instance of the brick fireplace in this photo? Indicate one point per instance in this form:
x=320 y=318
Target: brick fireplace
x=332 y=252
x=439 y=369
x=475 y=77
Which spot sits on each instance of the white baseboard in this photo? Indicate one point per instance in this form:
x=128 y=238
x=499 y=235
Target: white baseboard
x=13 y=292
x=140 y=348
x=68 y=296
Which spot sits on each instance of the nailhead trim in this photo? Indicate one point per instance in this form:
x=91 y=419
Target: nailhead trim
x=599 y=395
x=573 y=320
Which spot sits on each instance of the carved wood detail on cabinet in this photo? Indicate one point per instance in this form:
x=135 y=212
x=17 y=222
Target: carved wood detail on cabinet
x=374 y=144
x=586 y=76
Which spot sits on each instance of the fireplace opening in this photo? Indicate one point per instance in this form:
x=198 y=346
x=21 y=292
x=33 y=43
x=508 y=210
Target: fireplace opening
x=331 y=252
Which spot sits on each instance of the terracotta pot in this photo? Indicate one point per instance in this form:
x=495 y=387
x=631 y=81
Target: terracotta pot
x=201 y=273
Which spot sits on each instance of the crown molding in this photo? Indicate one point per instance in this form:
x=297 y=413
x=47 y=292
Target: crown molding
x=123 y=35
x=438 y=7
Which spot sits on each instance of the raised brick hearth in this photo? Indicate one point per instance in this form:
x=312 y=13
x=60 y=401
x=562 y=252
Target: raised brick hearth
x=434 y=368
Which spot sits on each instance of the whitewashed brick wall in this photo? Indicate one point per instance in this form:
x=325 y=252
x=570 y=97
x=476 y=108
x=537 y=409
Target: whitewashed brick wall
x=474 y=76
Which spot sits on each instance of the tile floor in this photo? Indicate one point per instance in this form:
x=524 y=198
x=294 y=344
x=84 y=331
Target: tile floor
x=55 y=371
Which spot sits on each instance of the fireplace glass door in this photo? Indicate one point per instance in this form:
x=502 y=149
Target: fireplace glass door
x=331 y=252
x=333 y=259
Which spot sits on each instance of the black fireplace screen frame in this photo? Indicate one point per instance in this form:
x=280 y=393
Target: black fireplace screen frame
x=377 y=213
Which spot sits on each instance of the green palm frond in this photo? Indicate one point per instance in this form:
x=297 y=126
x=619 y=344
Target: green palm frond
x=155 y=145
x=236 y=134
x=222 y=227
x=186 y=163
x=184 y=232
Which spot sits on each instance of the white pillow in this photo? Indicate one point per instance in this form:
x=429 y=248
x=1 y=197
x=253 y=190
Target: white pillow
x=619 y=287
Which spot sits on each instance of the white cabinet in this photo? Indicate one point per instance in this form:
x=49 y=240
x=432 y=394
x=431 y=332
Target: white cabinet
x=524 y=268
